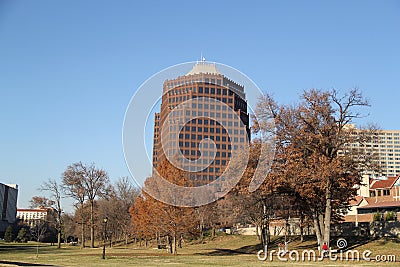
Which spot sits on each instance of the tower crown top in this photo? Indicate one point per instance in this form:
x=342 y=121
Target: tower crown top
x=204 y=67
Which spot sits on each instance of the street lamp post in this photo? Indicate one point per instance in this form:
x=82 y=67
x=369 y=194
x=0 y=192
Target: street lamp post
x=104 y=238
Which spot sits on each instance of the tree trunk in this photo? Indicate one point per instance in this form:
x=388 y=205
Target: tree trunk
x=257 y=233
x=201 y=229
x=265 y=227
x=286 y=229
x=328 y=211
x=321 y=225
x=174 y=244
x=301 y=227
x=59 y=226
x=180 y=241
x=82 y=229
x=317 y=229
x=169 y=242
x=59 y=238
x=92 y=224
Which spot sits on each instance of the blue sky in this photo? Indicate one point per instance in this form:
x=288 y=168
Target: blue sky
x=69 y=68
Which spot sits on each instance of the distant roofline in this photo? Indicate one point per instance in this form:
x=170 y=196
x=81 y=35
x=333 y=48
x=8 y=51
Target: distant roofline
x=33 y=210
x=377 y=184
x=386 y=204
x=15 y=186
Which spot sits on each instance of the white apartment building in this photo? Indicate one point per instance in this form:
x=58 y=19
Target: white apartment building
x=31 y=216
x=385 y=148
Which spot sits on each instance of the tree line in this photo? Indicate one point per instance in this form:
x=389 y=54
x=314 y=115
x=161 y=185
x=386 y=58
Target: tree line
x=312 y=177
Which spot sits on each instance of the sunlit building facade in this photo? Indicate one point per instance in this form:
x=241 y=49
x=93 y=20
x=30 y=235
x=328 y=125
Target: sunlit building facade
x=201 y=105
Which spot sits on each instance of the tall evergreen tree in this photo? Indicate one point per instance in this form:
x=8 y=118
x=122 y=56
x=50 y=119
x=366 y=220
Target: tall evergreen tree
x=9 y=236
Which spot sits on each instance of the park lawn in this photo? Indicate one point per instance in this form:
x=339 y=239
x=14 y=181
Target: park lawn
x=233 y=250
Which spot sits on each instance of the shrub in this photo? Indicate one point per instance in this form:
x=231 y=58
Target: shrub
x=377 y=217
x=22 y=236
x=389 y=216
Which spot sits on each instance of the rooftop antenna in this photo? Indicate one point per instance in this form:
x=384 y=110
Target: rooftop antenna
x=202 y=59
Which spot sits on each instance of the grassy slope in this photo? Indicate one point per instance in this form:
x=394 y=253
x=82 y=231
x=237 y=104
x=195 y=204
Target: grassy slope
x=222 y=251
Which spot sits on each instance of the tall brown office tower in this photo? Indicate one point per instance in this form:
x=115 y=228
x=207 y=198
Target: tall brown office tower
x=202 y=120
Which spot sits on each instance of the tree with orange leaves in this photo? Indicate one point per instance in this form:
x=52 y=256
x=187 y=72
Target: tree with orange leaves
x=153 y=218
x=308 y=162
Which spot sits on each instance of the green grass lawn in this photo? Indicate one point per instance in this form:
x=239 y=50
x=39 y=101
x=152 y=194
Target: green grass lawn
x=230 y=250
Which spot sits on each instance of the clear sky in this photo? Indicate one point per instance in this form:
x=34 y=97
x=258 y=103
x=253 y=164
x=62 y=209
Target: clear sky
x=69 y=68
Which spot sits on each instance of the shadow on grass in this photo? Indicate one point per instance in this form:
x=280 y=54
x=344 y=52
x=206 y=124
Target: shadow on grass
x=224 y=252
x=17 y=263
x=309 y=242
x=353 y=242
x=27 y=248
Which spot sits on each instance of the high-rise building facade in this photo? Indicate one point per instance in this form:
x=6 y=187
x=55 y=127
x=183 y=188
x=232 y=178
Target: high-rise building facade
x=8 y=205
x=385 y=149
x=202 y=119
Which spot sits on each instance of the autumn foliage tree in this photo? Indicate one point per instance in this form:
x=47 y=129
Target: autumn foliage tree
x=311 y=157
x=154 y=219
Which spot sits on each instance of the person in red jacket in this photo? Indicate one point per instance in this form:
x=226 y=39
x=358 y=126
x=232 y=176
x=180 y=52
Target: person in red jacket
x=325 y=249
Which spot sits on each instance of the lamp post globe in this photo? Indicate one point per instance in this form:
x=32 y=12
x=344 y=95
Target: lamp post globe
x=103 y=256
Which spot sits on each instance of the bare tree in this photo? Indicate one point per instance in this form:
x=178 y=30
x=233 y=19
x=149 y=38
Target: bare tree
x=40 y=202
x=37 y=232
x=55 y=190
x=69 y=227
x=86 y=180
x=125 y=195
x=72 y=180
